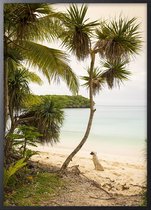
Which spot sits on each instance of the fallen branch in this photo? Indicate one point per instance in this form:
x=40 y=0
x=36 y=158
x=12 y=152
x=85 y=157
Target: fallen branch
x=94 y=183
x=98 y=186
x=136 y=185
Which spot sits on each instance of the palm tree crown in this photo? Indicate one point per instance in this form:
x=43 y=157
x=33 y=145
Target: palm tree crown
x=118 y=39
x=97 y=80
x=18 y=86
x=47 y=117
x=24 y=26
x=115 y=73
x=78 y=31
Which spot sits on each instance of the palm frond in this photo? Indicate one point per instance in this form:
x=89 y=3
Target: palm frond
x=78 y=31
x=18 y=88
x=30 y=21
x=115 y=73
x=33 y=77
x=40 y=20
x=97 y=81
x=30 y=100
x=118 y=39
x=47 y=117
x=52 y=62
x=14 y=53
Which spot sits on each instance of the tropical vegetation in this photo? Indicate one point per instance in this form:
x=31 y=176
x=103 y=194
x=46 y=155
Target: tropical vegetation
x=31 y=119
x=65 y=101
x=45 y=186
x=114 y=41
x=26 y=27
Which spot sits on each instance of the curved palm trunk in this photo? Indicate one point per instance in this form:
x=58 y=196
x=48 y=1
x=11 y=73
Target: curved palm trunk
x=92 y=110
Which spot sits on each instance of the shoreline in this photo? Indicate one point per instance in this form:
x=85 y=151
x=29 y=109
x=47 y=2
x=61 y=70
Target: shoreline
x=118 y=177
x=85 y=153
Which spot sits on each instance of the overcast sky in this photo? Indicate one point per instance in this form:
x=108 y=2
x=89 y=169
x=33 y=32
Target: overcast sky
x=132 y=92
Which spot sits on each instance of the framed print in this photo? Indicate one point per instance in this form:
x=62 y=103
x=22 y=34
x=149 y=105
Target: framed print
x=75 y=104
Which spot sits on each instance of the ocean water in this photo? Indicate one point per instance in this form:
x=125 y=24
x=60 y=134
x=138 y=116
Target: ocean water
x=116 y=130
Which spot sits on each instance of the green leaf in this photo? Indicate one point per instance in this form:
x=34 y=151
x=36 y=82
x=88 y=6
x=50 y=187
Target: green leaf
x=13 y=169
x=78 y=31
x=53 y=64
x=118 y=39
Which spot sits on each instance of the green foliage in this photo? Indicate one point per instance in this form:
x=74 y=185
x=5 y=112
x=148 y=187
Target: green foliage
x=13 y=169
x=29 y=153
x=144 y=203
x=44 y=186
x=18 y=86
x=115 y=73
x=30 y=101
x=29 y=133
x=52 y=62
x=77 y=31
x=23 y=137
x=47 y=117
x=24 y=26
x=31 y=21
x=118 y=39
x=64 y=101
x=97 y=80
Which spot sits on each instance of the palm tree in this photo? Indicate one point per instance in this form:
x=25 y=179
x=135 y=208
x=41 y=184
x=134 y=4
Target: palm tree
x=116 y=42
x=47 y=117
x=18 y=88
x=26 y=26
x=77 y=33
x=18 y=94
x=118 y=39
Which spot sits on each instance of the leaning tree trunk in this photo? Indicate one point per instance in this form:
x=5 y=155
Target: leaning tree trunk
x=92 y=110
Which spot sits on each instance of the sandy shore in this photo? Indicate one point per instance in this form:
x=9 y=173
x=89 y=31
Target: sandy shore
x=119 y=177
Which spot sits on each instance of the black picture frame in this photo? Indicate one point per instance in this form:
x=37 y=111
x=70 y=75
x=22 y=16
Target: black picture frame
x=148 y=2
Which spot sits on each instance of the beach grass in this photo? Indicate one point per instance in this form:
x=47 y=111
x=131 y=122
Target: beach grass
x=37 y=191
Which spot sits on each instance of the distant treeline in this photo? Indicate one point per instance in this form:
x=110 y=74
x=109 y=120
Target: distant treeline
x=64 y=101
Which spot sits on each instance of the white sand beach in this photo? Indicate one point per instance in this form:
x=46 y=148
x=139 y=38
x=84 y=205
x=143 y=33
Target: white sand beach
x=120 y=176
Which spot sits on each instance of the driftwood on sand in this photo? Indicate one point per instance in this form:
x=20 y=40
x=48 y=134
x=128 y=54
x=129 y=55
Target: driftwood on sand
x=91 y=187
x=75 y=170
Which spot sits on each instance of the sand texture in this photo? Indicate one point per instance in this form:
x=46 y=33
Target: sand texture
x=122 y=182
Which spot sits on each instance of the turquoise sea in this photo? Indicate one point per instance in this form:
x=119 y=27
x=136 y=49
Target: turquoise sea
x=116 y=130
